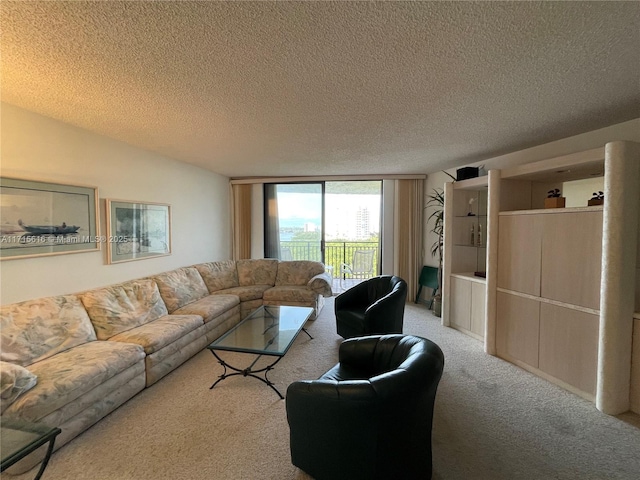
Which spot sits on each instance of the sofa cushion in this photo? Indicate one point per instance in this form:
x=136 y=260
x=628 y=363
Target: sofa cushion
x=180 y=287
x=219 y=275
x=14 y=381
x=37 y=329
x=66 y=376
x=122 y=307
x=250 y=292
x=209 y=307
x=297 y=272
x=160 y=333
x=289 y=294
x=257 y=271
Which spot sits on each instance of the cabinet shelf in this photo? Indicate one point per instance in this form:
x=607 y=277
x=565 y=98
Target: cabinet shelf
x=470 y=276
x=550 y=211
x=472 y=183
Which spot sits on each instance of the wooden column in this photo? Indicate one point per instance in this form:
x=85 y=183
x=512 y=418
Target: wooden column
x=447 y=254
x=617 y=289
x=493 y=209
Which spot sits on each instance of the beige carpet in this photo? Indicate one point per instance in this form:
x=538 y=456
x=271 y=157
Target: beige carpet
x=493 y=421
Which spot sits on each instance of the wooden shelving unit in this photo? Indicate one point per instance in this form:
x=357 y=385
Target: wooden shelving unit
x=465 y=253
x=548 y=273
x=539 y=306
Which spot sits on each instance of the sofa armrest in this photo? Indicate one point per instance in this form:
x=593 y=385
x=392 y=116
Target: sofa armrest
x=321 y=284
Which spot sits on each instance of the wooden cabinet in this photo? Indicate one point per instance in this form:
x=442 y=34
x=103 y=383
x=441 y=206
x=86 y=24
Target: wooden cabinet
x=635 y=368
x=549 y=291
x=637 y=293
x=465 y=253
x=569 y=346
x=468 y=300
x=478 y=308
x=460 y=303
x=549 y=270
x=518 y=328
x=571 y=258
x=554 y=255
x=520 y=243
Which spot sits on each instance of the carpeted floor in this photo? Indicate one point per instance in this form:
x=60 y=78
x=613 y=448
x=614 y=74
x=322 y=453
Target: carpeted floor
x=493 y=421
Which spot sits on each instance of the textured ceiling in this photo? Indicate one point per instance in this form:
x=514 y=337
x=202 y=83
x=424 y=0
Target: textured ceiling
x=325 y=88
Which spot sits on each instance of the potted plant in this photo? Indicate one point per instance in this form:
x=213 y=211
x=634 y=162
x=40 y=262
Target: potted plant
x=597 y=199
x=436 y=200
x=554 y=199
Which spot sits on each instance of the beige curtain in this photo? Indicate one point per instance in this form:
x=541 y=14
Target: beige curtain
x=408 y=234
x=241 y=218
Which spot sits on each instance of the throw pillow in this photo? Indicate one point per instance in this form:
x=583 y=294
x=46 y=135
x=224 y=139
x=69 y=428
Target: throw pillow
x=14 y=381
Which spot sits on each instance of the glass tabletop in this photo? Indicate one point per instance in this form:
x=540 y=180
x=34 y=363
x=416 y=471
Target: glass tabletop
x=269 y=330
x=17 y=439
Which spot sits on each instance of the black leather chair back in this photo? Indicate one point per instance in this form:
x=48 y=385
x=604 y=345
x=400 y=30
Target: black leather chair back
x=370 y=416
x=373 y=307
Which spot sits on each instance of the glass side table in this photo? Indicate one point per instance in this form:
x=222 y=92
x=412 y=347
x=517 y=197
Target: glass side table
x=19 y=439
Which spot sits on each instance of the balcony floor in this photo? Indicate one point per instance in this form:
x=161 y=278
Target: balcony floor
x=346 y=284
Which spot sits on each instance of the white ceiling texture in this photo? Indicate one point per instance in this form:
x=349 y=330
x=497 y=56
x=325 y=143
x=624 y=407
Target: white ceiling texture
x=325 y=88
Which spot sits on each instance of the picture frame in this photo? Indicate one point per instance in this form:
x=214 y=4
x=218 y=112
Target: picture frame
x=39 y=218
x=137 y=230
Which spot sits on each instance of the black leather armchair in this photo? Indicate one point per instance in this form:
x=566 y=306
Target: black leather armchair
x=370 y=416
x=372 y=307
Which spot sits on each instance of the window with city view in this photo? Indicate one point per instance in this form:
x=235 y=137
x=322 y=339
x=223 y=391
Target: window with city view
x=344 y=215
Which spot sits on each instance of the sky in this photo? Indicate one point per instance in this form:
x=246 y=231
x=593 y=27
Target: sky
x=296 y=209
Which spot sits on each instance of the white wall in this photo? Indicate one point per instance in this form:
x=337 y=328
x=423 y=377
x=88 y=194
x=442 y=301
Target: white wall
x=578 y=192
x=40 y=148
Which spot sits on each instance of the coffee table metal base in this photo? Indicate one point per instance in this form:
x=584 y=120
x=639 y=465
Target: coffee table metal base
x=249 y=372
x=45 y=435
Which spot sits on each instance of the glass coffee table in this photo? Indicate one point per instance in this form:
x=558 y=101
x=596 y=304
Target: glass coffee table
x=269 y=330
x=19 y=439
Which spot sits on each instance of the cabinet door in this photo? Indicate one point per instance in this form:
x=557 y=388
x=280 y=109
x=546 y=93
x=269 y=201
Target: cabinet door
x=635 y=368
x=571 y=258
x=478 y=302
x=569 y=346
x=517 y=328
x=460 y=310
x=520 y=243
x=637 y=309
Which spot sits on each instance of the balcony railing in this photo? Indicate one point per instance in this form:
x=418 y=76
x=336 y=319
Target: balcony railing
x=335 y=255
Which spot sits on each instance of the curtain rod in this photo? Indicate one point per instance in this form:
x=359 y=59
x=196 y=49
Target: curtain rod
x=329 y=178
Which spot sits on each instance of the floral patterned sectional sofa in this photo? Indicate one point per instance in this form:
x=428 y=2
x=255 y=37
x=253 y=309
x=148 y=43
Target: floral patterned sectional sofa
x=69 y=360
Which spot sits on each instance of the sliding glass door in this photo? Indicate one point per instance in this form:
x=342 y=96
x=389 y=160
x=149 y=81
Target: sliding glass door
x=294 y=221
x=337 y=223
x=352 y=234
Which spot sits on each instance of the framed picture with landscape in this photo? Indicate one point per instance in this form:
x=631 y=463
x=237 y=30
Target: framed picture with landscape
x=137 y=230
x=42 y=218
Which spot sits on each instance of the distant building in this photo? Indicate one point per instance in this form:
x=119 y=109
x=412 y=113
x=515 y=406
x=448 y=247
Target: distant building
x=362 y=223
x=352 y=217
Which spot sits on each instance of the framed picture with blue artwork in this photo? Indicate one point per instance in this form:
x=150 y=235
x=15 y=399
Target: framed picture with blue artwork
x=137 y=230
x=40 y=218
